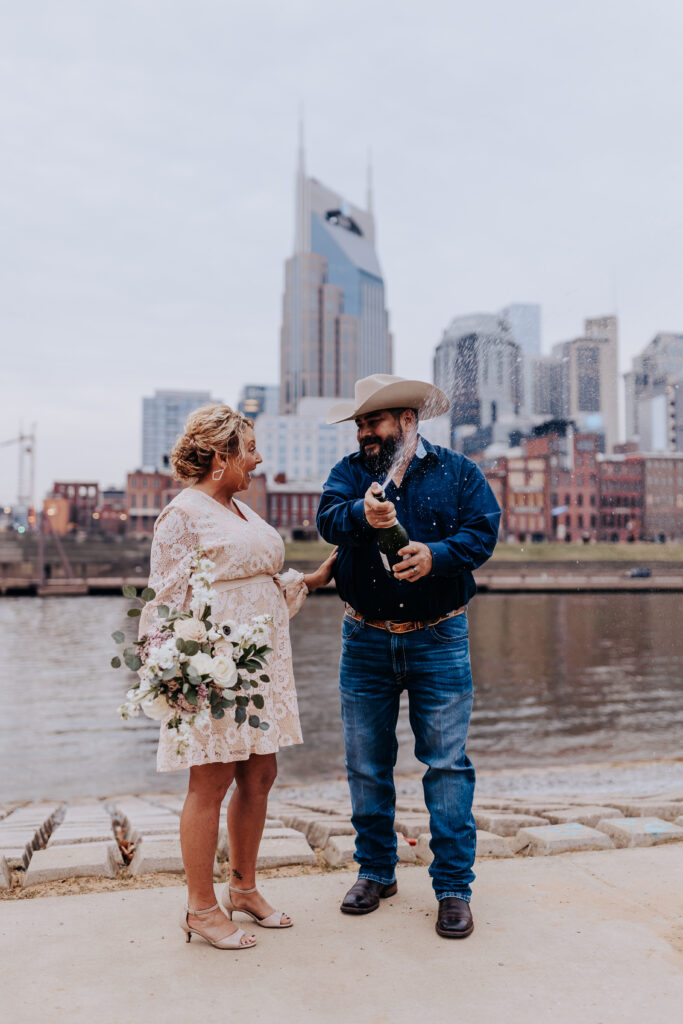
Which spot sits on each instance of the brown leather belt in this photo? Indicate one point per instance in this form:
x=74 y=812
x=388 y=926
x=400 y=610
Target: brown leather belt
x=401 y=627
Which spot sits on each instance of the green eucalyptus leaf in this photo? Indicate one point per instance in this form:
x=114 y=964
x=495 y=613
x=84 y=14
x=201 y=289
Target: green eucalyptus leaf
x=133 y=662
x=229 y=703
x=217 y=713
x=133 y=613
x=257 y=700
x=162 y=611
x=254 y=721
x=118 y=637
x=191 y=698
x=264 y=678
x=116 y=663
x=148 y=594
x=264 y=726
x=241 y=701
x=129 y=591
x=191 y=647
x=240 y=715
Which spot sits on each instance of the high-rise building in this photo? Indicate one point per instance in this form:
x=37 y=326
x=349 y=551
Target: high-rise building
x=546 y=387
x=257 y=398
x=589 y=379
x=335 y=326
x=303 y=446
x=478 y=364
x=654 y=395
x=524 y=322
x=163 y=419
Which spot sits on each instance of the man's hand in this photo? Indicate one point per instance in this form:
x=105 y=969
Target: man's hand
x=379 y=514
x=417 y=562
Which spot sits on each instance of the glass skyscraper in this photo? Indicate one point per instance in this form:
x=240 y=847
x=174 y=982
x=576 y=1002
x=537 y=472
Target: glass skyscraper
x=335 y=326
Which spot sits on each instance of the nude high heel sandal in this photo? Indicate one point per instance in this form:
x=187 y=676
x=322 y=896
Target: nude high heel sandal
x=273 y=920
x=231 y=941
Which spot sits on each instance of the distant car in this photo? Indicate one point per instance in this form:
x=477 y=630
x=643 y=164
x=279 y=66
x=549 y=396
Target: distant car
x=640 y=572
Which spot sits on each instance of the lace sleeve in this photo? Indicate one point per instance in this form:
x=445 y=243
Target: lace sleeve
x=293 y=589
x=173 y=549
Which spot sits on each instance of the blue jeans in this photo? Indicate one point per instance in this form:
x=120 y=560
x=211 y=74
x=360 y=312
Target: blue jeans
x=433 y=666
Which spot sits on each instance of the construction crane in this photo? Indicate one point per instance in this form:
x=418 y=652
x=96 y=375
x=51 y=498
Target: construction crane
x=27 y=453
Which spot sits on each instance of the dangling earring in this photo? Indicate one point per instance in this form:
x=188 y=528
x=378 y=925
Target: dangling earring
x=218 y=474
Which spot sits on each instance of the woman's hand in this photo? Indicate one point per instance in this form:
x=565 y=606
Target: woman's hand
x=323 y=574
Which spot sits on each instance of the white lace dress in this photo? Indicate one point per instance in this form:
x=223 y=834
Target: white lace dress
x=240 y=548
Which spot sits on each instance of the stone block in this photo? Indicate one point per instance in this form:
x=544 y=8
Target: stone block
x=17 y=856
x=274 y=823
x=77 y=861
x=136 y=835
x=5 y=873
x=589 y=815
x=158 y=854
x=407 y=853
x=339 y=850
x=506 y=824
x=299 y=820
x=277 y=851
x=422 y=848
x=66 y=836
x=320 y=831
x=640 y=831
x=669 y=810
x=490 y=845
x=544 y=840
x=412 y=825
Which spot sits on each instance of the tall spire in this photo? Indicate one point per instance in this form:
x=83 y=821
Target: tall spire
x=302 y=152
x=302 y=221
x=368 y=200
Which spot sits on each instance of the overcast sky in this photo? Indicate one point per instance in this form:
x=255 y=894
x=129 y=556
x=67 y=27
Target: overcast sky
x=523 y=152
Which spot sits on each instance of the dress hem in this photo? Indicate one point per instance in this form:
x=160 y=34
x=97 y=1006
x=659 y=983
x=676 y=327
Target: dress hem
x=229 y=760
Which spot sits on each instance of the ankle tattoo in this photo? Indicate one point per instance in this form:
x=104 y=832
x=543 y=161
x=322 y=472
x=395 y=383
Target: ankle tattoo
x=236 y=873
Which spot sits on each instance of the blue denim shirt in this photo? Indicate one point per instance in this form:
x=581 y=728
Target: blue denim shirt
x=444 y=501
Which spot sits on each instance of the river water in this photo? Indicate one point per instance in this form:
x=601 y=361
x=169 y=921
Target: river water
x=559 y=679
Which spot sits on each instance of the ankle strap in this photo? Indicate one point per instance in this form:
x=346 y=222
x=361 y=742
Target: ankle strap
x=199 y=913
x=244 y=892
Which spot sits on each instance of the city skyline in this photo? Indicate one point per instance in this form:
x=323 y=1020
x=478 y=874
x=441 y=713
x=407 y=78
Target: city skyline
x=147 y=191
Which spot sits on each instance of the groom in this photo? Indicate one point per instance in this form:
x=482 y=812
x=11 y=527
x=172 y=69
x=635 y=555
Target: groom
x=407 y=631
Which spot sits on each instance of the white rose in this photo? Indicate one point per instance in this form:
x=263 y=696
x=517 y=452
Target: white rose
x=202 y=663
x=155 y=707
x=223 y=671
x=223 y=647
x=190 y=629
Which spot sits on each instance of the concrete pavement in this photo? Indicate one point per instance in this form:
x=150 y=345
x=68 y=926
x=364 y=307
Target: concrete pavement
x=595 y=937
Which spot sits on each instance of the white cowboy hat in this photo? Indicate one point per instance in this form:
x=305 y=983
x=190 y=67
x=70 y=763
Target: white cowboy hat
x=384 y=391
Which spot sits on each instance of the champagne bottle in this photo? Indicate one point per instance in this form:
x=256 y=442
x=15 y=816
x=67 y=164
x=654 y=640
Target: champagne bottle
x=390 y=540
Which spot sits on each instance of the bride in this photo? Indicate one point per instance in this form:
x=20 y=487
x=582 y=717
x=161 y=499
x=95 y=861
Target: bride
x=215 y=456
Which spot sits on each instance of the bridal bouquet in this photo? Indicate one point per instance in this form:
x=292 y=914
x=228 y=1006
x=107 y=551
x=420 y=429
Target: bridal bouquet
x=192 y=669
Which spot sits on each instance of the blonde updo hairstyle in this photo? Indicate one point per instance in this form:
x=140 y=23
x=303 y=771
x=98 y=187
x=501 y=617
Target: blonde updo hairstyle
x=211 y=430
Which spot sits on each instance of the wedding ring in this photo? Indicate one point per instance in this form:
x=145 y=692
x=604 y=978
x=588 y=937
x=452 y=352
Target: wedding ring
x=414 y=568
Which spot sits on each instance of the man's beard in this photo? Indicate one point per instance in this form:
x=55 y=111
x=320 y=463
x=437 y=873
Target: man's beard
x=381 y=463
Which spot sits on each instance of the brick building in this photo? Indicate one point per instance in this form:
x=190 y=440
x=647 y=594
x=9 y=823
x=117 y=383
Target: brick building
x=663 y=492
x=621 y=498
x=292 y=507
x=83 y=497
x=146 y=495
x=110 y=517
